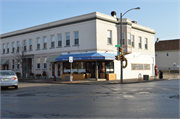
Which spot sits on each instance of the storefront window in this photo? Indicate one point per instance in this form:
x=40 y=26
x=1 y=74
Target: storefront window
x=110 y=67
x=77 y=67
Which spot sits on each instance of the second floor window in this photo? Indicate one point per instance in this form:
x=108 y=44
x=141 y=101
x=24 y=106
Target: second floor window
x=44 y=42
x=139 y=42
x=109 y=37
x=67 y=39
x=3 y=48
x=59 y=40
x=30 y=44
x=123 y=38
x=52 y=41
x=132 y=40
x=76 y=38
x=146 y=43
x=24 y=45
x=13 y=46
x=18 y=46
x=7 y=47
x=38 y=43
x=129 y=38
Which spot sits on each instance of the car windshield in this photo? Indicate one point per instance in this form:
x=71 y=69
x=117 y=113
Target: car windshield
x=4 y=73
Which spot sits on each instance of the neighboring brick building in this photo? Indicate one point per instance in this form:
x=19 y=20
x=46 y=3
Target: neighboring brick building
x=167 y=54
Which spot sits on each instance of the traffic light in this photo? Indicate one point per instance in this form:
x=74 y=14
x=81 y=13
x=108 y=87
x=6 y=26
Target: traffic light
x=117 y=57
x=120 y=50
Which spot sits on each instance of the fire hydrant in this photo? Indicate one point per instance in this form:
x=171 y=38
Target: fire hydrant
x=54 y=78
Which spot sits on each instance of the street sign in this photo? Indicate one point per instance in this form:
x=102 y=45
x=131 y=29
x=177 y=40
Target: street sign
x=118 y=45
x=70 y=59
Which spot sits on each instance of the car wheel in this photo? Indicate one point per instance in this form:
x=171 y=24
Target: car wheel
x=16 y=87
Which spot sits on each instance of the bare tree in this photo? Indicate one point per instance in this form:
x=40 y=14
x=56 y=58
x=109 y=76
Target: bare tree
x=20 y=56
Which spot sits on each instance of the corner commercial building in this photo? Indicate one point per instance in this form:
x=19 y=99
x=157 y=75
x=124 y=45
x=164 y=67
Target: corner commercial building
x=90 y=39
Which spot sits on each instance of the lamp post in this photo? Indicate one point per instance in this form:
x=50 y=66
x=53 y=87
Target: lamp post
x=121 y=40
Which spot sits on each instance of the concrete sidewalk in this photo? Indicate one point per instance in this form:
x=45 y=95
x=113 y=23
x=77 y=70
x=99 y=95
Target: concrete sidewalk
x=89 y=82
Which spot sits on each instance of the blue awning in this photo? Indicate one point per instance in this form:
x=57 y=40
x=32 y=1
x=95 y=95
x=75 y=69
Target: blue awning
x=87 y=56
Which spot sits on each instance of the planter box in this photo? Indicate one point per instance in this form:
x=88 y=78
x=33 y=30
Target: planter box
x=44 y=77
x=75 y=76
x=111 y=76
x=31 y=77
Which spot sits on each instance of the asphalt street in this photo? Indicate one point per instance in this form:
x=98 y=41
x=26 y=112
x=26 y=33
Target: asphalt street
x=158 y=99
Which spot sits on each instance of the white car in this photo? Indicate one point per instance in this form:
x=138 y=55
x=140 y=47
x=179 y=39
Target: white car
x=8 y=78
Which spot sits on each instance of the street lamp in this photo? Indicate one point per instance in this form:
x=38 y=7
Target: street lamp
x=121 y=38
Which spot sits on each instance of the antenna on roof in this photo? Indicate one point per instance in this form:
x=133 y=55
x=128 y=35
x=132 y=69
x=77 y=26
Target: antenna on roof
x=157 y=40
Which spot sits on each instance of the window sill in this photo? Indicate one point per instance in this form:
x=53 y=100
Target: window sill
x=109 y=44
x=44 y=49
x=17 y=69
x=52 y=48
x=38 y=49
x=30 y=50
x=44 y=69
x=67 y=46
x=3 y=53
x=38 y=69
x=12 y=52
x=76 y=45
x=7 y=53
x=59 y=47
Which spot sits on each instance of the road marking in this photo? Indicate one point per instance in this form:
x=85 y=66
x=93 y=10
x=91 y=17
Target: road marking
x=48 y=100
x=143 y=92
x=11 y=105
x=128 y=96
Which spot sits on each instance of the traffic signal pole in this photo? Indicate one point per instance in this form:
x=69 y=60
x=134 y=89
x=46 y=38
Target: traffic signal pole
x=121 y=40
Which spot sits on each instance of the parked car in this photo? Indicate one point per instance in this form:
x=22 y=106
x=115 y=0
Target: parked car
x=8 y=78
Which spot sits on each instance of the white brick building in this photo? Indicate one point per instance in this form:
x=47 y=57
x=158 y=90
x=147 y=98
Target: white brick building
x=82 y=35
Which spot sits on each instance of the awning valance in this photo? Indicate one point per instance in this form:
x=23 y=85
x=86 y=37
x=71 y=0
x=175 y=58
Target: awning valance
x=87 y=56
x=52 y=58
x=4 y=61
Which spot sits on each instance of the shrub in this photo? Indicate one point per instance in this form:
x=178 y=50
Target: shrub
x=38 y=75
x=31 y=74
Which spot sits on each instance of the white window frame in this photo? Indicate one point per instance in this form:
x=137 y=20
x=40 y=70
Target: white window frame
x=132 y=41
x=59 y=40
x=30 y=44
x=12 y=66
x=76 y=38
x=4 y=48
x=45 y=42
x=38 y=63
x=13 y=47
x=67 y=39
x=146 y=43
x=123 y=34
x=109 y=37
x=17 y=64
x=140 y=42
x=7 y=47
x=52 y=41
x=18 y=45
x=38 y=43
x=45 y=63
x=24 y=45
x=129 y=38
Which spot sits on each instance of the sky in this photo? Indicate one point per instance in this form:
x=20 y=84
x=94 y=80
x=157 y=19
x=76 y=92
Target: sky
x=161 y=15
